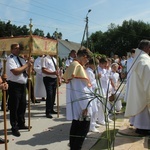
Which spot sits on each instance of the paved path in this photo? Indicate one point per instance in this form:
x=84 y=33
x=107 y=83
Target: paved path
x=52 y=134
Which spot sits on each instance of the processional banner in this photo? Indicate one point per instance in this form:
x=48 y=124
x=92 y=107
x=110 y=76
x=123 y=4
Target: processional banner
x=35 y=44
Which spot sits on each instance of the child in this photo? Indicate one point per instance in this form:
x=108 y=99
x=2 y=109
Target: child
x=104 y=76
x=114 y=77
x=93 y=109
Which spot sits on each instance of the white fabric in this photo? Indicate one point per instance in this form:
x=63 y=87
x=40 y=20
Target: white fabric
x=47 y=63
x=115 y=79
x=129 y=67
x=12 y=63
x=123 y=62
x=39 y=90
x=77 y=98
x=94 y=103
x=68 y=61
x=104 y=80
x=92 y=79
x=142 y=120
x=138 y=97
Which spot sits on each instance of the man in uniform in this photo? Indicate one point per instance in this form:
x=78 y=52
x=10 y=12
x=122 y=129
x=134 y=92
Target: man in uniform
x=17 y=79
x=50 y=74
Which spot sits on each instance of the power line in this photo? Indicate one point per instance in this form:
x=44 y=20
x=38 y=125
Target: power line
x=38 y=14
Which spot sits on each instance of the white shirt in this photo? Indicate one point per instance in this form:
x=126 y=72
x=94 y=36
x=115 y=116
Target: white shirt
x=12 y=63
x=37 y=66
x=115 y=78
x=48 y=64
x=105 y=82
x=69 y=61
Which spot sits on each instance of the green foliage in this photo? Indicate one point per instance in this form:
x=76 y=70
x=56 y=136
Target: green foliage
x=7 y=29
x=38 y=32
x=120 y=39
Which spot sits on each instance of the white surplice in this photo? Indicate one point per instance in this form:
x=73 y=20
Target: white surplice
x=138 y=98
x=39 y=90
x=77 y=98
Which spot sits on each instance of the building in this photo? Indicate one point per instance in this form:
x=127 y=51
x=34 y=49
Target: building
x=65 y=46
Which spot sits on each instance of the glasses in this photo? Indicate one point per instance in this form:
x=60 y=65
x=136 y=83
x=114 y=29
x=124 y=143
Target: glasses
x=16 y=48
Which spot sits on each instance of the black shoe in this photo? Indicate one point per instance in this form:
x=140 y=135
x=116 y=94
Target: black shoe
x=142 y=132
x=53 y=112
x=36 y=101
x=2 y=141
x=16 y=133
x=24 y=127
x=49 y=116
x=43 y=99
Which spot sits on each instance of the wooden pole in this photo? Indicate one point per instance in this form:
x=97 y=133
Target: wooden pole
x=57 y=90
x=29 y=75
x=4 y=77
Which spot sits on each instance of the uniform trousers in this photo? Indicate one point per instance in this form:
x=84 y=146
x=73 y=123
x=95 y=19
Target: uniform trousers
x=50 y=86
x=17 y=104
x=78 y=132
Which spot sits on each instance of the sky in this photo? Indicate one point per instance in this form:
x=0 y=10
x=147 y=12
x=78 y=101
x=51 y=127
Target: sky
x=68 y=16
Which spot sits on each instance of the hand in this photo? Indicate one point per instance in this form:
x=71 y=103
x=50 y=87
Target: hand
x=85 y=112
x=4 y=86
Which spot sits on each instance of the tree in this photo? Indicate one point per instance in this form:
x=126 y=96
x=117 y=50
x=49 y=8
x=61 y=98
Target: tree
x=38 y=32
x=120 y=39
x=57 y=35
x=48 y=35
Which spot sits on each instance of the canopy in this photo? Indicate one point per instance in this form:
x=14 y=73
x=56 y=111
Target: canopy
x=35 y=44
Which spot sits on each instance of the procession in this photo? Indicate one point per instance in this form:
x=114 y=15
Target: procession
x=68 y=83
x=90 y=84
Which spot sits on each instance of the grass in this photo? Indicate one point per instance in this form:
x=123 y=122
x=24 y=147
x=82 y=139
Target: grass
x=102 y=142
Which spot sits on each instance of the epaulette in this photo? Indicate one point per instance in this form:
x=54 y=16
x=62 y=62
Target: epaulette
x=11 y=56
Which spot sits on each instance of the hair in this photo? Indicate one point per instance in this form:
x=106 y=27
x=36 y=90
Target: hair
x=93 y=61
x=103 y=60
x=143 y=44
x=72 y=51
x=83 y=52
x=132 y=50
x=114 y=64
x=13 y=45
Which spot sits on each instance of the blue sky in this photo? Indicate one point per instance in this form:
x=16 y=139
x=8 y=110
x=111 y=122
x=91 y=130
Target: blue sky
x=68 y=16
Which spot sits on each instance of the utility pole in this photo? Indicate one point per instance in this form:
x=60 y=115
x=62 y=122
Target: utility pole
x=86 y=30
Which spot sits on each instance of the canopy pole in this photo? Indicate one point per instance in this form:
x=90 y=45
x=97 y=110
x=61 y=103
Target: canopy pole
x=29 y=74
x=4 y=77
x=57 y=90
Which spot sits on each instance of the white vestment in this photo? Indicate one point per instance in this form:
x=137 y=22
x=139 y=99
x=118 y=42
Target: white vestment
x=115 y=79
x=77 y=90
x=129 y=67
x=138 y=98
x=39 y=90
x=77 y=98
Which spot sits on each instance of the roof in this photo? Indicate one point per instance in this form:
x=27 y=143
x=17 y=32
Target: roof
x=70 y=45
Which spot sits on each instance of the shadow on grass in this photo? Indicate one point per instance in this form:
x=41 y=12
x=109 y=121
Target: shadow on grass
x=105 y=142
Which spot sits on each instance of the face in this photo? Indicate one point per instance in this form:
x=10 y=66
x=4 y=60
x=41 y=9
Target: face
x=84 y=60
x=147 y=50
x=74 y=55
x=103 y=65
x=16 y=50
x=115 y=68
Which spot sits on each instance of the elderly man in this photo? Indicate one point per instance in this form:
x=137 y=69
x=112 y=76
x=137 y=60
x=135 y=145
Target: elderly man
x=138 y=97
